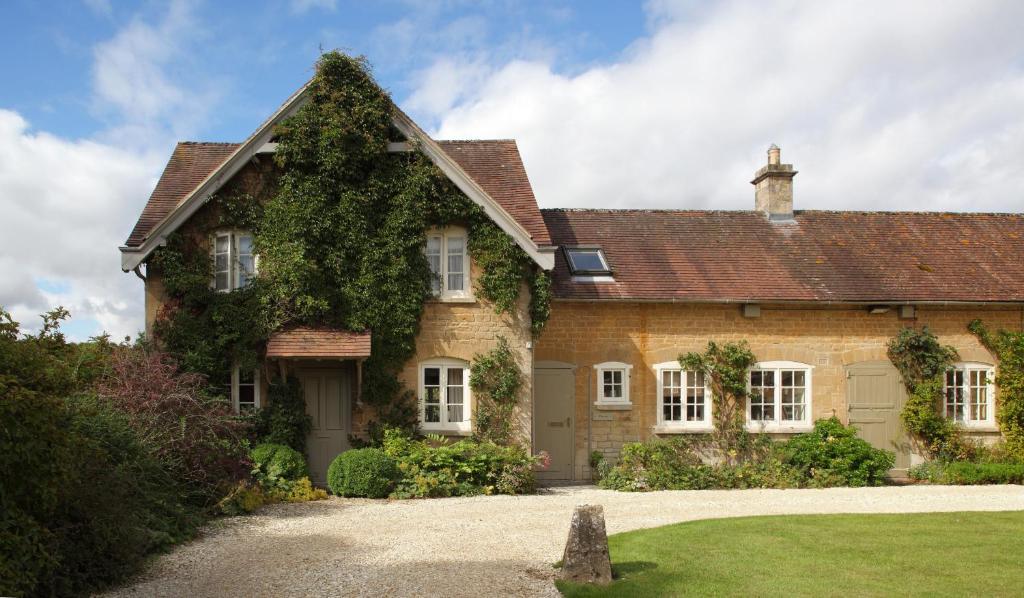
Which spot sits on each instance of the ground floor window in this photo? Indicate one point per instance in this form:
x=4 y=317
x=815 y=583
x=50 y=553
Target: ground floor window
x=444 y=395
x=779 y=395
x=613 y=383
x=684 y=399
x=245 y=390
x=970 y=394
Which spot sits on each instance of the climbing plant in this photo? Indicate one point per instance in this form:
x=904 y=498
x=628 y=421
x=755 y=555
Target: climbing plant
x=495 y=378
x=922 y=362
x=339 y=223
x=1009 y=349
x=726 y=367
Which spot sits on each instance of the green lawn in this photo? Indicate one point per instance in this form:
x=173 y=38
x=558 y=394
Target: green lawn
x=948 y=554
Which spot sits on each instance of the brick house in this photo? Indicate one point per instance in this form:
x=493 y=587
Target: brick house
x=817 y=294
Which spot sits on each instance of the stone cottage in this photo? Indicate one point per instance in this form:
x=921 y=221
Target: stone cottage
x=816 y=294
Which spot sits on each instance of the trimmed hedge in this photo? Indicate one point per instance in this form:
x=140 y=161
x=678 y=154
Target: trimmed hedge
x=968 y=473
x=366 y=472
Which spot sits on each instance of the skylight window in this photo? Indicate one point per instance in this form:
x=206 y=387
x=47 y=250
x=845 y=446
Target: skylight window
x=587 y=260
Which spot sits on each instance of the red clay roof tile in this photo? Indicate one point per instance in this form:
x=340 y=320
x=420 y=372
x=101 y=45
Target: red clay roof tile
x=664 y=255
x=322 y=343
x=495 y=165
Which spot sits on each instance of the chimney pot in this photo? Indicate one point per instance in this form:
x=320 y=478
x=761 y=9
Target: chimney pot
x=773 y=187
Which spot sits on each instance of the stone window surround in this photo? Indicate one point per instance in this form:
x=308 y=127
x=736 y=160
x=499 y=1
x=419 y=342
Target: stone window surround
x=613 y=403
x=989 y=423
x=670 y=427
x=463 y=428
x=778 y=425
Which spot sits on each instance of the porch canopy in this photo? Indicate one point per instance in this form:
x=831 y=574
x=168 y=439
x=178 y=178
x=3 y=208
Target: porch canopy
x=318 y=343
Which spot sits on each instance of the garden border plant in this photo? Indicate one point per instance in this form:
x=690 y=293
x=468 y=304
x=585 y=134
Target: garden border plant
x=340 y=228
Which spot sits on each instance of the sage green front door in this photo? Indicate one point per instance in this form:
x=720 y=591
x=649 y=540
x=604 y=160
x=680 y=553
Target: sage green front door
x=875 y=397
x=328 y=393
x=553 y=425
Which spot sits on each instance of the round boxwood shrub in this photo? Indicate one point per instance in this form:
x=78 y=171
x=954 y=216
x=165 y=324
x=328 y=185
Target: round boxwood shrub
x=365 y=472
x=276 y=463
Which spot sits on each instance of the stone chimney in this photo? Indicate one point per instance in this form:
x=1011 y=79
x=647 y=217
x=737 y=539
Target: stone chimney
x=773 y=187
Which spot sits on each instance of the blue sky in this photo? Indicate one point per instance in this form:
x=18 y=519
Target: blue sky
x=259 y=52
x=660 y=104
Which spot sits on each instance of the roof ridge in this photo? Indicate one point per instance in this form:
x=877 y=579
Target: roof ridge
x=225 y=143
x=699 y=211
x=505 y=140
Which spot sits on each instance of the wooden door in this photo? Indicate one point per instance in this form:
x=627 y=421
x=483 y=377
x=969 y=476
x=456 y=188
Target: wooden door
x=553 y=421
x=328 y=395
x=875 y=397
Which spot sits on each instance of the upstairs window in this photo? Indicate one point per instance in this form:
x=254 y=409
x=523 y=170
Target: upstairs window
x=234 y=261
x=613 y=383
x=587 y=261
x=449 y=263
x=970 y=394
x=444 y=396
x=779 y=396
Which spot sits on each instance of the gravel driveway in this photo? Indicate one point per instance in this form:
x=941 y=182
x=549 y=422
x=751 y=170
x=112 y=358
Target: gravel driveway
x=493 y=545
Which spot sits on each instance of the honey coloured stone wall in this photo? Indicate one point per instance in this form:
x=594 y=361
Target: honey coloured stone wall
x=644 y=334
x=461 y=330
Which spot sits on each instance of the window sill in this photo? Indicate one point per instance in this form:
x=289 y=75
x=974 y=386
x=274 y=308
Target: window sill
x=670 y=429
x=443 y=299
x=986 y=429
x=779 y=429
x=613 y=406
x=447 y=431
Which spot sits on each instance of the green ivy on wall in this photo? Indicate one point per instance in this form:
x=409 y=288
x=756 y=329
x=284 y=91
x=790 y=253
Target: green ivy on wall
x=340 y=230
x=1009 y=349
x=922 y=362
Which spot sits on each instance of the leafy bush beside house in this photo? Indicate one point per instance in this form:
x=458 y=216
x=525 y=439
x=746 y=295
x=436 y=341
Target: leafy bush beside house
x=434 y=467
x=365 y=472
x=833 y=455
x=830 y=455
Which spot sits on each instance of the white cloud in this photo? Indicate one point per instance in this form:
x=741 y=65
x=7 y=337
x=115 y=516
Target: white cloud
x=880 y=105
x=137 y=80
x=69 y=203
x=67 y=206
x=302 y=6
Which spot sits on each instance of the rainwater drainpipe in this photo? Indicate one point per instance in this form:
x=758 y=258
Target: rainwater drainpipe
x=590 y=418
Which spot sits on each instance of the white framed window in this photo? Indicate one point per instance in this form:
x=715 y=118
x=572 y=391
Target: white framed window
x=447 y=254
x=245 y=390
x=444 y=396
x=969 y=395
x=613 y=383
x=234 y=260
x=684 y=398
x=779 y=396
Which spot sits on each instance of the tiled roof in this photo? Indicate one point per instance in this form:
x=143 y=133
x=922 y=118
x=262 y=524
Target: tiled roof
x=494 y=165
x=190 y=163
x=663 y=255
x=323 y=343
